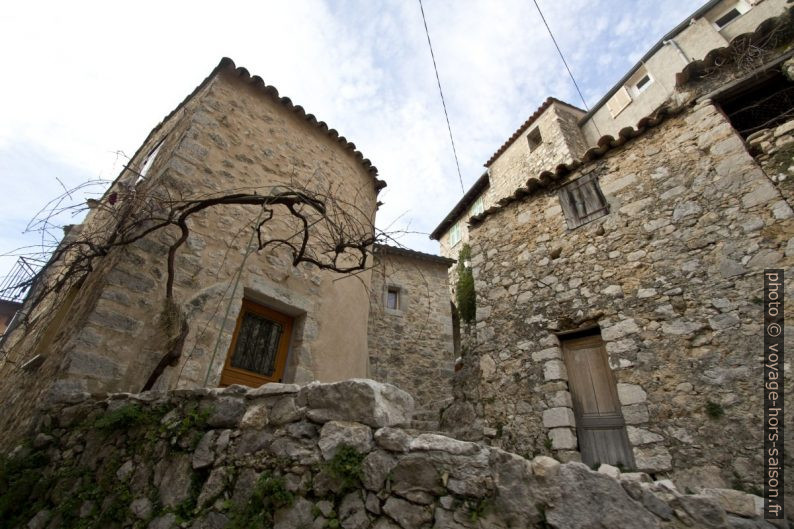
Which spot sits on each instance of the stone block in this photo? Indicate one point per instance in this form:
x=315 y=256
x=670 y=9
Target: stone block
x=554 y=370
x=557 y=417
x=640 y=436
x=335 y=434
x=552 y=353
x=635 y=413
x=653 y=459
x=562 y=439
x=631 y=394
x=619 y=330
x=359 y=400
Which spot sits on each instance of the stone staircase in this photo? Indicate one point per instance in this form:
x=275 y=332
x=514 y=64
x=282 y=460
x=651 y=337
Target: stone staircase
x=427 y=417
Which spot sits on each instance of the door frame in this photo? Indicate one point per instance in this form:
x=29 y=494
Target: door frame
x=588 y=421
x=235 y=375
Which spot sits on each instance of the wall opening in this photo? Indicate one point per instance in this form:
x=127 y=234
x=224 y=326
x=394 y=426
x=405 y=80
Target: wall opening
x=765 y=101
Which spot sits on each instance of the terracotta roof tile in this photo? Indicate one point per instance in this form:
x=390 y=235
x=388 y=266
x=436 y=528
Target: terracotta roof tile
x=226 y=64
x=530 y=120
x=407 y=252
x=779 y=28
x=606 y=143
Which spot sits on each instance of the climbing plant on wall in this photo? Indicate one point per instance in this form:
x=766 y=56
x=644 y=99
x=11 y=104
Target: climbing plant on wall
x=464 y=289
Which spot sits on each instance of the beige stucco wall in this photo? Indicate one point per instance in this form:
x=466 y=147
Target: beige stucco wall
x=695 y=41
x=229 y=137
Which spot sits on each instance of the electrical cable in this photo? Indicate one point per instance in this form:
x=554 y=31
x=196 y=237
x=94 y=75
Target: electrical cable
x=441 y=92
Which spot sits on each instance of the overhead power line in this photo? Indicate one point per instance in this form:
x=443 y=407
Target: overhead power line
x=560 y=52
x=441 y=93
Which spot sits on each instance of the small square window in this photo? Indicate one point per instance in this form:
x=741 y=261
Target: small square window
x=535 y=139
x=582 y=201
x=643 y=83
x=393 y=298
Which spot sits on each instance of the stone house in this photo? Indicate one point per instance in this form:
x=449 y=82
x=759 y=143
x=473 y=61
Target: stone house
x=619 y=297
x=410 y=326
x=220 y=308
x=558 y=132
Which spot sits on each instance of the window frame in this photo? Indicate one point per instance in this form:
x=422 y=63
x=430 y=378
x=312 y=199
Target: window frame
x=640 y=89
x=391 y=289
x=534 y=139
x=454 y=234
x=478 y=207
x=740 y=7
x=568 y=202
x=235 y=375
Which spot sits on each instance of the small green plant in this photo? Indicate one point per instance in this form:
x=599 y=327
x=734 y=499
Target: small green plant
x=479 y=510
x=714 y=410
x=269 y=495
x=22 y=487
x=345 y=467
x=123 y=418
x=548 y=444
x=464 y=289
x=543 y=523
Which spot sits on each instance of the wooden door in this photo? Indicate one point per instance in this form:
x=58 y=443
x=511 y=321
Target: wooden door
x=258 y=352
x=599 y=421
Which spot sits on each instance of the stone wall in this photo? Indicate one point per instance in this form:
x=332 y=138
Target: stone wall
x=562 y=141
x=671 y=275
x=411 y=347
x=232 y=134
x=773 y=148
x=318 y=456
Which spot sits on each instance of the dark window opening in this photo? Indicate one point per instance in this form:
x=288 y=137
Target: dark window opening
x=764 y=102
x=582 y=201
x=727 y=17
x=643 y=82
x=393 y=298
x=534 y=138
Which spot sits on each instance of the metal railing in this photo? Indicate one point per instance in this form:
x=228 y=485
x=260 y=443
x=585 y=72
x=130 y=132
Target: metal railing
x=16 y=284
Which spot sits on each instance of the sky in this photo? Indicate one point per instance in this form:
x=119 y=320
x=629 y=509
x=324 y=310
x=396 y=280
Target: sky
x=85 y=80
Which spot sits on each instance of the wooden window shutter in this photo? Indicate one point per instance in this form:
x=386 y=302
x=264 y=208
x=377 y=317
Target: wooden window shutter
x=619 y=101
x=582 y=201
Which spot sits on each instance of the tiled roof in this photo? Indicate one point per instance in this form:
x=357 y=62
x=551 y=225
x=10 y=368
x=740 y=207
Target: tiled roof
x=407 y=252
x=227 y=65
x=779 y=28
x=530 y=120
x=463 y=205
x=547 y=179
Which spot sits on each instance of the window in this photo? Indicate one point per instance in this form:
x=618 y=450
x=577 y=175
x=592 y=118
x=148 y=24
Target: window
x=393 y=298
x=732 y=14
x=534 y=138
x=619 y=100
x=454 y=234
x=147 y=163
x=478 y=207
x=582 y=201
x=644 y=82
x=258 y=351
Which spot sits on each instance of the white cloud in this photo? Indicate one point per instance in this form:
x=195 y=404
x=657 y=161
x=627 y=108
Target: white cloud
x=90 y=78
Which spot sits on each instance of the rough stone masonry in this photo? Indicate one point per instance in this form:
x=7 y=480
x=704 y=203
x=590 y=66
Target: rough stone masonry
x=671 y=276
x=317 y=456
